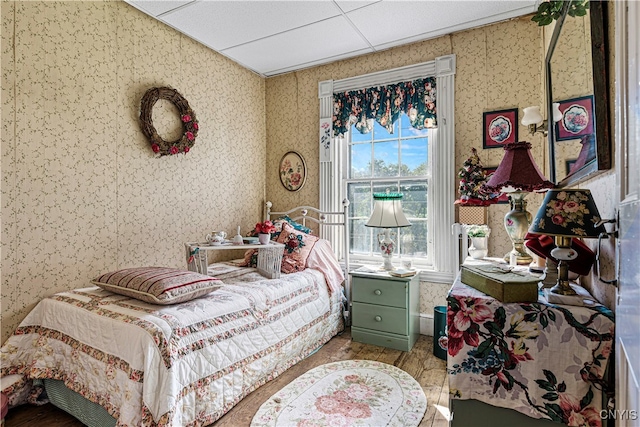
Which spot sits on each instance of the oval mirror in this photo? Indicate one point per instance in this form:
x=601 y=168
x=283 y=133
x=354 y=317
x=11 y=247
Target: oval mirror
x=576 y=72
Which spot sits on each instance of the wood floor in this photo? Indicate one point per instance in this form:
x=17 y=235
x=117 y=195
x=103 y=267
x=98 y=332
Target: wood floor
x=419 y=362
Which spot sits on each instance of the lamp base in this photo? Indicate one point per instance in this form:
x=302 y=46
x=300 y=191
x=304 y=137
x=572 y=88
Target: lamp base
x=521 y=258
x=387 y=248
x=550 y=274
x=563 y=289
x=563 y=253
x=516 y=223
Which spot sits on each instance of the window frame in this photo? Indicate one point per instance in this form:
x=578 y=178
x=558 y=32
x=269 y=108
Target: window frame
x=332 y=191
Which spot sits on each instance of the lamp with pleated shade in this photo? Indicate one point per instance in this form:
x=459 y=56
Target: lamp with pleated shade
x=517 y=175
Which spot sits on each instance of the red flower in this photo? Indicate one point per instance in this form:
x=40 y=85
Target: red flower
x=155 y=148
x=195 y=125
x=295 y=179
x=186 y=149
x=186 y=118
x=265 y=227
x=463 y=325
x=189 y=136
x=557 y=219
x=174 y=150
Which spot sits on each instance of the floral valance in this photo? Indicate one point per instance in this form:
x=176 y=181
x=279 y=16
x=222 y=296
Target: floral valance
x=384 y=104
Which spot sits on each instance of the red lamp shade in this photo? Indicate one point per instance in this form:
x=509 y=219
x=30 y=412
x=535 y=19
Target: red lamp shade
x=542 y=245
x=517 y=171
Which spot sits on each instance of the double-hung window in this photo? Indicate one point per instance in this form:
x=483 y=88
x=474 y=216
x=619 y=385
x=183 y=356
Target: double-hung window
x=380 y=161
x=419 y=163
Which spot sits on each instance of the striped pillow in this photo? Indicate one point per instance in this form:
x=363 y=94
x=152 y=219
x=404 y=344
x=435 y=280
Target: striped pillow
x=158 y=285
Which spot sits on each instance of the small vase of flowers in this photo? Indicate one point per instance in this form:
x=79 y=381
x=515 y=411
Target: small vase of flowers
x=479 y=235
x=264 y=230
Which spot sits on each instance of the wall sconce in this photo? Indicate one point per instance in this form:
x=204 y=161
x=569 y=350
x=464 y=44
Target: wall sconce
x=534 y=120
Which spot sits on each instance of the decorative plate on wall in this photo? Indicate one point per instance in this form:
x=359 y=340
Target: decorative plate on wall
x=293 y=171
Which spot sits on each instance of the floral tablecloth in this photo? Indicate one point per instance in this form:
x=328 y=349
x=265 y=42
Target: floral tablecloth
x=543 y=360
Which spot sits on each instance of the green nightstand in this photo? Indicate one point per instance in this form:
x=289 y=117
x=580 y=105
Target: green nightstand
x=385 y=309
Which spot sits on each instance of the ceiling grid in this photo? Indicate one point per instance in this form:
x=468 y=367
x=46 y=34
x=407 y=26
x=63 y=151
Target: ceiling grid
x=277 y=37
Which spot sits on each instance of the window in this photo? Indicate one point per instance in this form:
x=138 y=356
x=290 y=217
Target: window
x=419 y=164
x=398 y=162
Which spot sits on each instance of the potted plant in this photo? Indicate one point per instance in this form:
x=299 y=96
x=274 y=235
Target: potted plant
x=479 y=235
x=264 y=230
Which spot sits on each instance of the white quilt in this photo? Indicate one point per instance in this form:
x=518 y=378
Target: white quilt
x=185 y=364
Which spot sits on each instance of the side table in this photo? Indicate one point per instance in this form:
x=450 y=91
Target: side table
x=385 y=309
x=269 y=256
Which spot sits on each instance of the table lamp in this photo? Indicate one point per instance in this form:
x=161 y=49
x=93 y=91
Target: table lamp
x=387 y=214
x=517 y=175
x=567 y=214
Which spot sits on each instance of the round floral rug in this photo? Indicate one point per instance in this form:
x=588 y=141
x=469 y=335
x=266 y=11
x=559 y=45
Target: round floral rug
x=347 y=393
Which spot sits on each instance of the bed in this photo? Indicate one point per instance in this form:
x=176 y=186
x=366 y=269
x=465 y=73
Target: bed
x=112 y=359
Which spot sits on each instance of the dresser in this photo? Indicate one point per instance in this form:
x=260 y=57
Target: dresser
x=526 y=364
x=385 y=309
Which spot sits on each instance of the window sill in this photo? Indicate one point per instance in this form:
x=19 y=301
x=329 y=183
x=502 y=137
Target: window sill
x=427 y=274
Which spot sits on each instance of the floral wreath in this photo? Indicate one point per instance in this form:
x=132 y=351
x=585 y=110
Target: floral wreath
x=187 y=117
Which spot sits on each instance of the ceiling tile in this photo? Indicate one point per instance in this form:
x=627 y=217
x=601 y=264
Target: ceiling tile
x=224 y=24
x=349 y=5
x=324 y=39
x=393 y=22
x=158 y=7
x=271 y=37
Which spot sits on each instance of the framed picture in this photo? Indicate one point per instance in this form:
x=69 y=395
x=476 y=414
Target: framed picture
x=569 y=165
x=503 y=198
x=293 y=171
x=499 y=128
x=577 y=118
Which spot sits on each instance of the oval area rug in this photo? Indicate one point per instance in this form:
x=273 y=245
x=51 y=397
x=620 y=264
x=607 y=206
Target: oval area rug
x=346 y=393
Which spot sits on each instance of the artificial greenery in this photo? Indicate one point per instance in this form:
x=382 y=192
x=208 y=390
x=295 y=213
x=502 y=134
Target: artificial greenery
x=551 y=10
x=472 y=178
x=478 y=230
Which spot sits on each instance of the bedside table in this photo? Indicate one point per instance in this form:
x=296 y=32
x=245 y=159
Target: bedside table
x=385 y=309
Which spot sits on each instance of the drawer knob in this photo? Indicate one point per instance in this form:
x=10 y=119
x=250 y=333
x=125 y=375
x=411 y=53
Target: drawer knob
x=378 y=319
x=377 y=292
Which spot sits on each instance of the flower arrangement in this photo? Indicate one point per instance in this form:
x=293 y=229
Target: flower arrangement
x=478 y=230
x=265 y=227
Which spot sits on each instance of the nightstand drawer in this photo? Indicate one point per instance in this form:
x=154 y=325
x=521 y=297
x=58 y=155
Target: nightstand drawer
x=380 y=318
x=380 y=291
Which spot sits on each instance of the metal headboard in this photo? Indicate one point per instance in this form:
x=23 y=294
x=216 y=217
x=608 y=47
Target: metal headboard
x=338 y=221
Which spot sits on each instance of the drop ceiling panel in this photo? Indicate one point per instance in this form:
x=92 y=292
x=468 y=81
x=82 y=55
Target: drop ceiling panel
x=390 y=23
x=322 y=40
x=272 y=37
x=349 y=5
x=224 y=24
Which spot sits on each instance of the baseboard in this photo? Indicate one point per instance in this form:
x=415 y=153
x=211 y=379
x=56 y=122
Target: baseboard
x=426 y=324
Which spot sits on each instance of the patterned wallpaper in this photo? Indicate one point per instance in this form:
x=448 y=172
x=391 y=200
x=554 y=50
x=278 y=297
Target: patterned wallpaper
x=498 y=66
x=494 y=71
x=82 y=192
